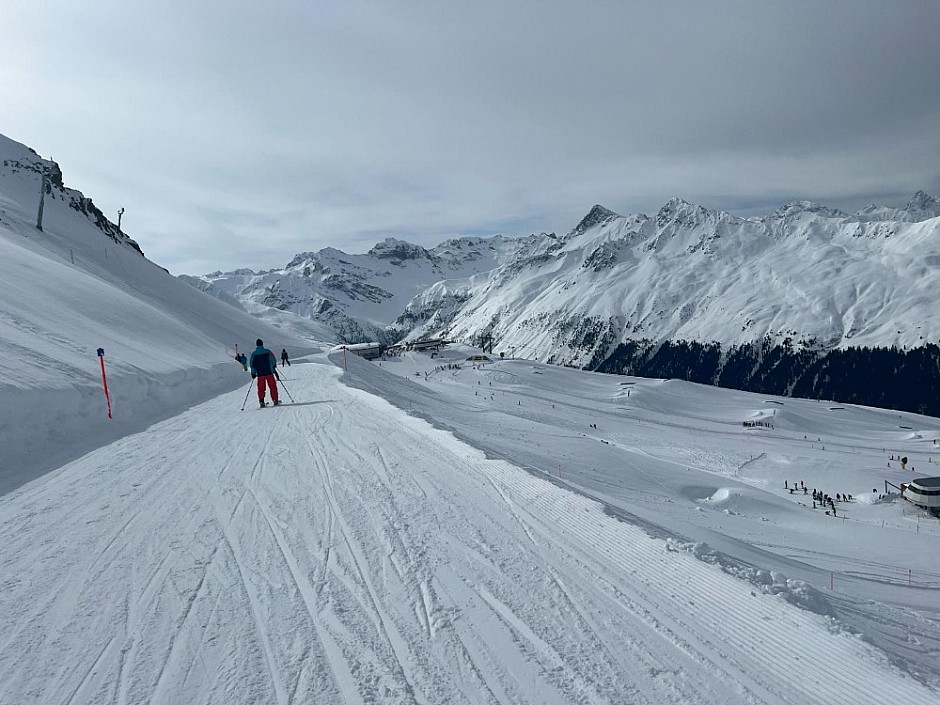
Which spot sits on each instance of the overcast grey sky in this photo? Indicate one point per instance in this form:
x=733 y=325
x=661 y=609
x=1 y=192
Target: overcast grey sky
x=239 y=133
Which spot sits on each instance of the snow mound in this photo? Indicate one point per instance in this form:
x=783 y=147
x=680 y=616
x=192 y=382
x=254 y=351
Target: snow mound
x=740 y=501
x=874 y=497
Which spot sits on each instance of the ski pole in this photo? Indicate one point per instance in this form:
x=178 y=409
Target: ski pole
x=285 y=389
x=247 y=393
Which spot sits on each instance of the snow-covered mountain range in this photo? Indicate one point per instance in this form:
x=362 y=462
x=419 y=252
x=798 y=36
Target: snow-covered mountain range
x=806 y=273
x=360 y=296
x=615 y=289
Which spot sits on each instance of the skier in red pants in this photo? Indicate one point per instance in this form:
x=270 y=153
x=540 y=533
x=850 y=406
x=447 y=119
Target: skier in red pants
x=263 y=365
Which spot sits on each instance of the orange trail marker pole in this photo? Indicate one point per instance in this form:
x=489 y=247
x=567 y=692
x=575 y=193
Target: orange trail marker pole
x=104 y=380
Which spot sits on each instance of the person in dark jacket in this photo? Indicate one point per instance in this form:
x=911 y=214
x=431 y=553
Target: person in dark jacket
x=284 y=359
x=263 y=365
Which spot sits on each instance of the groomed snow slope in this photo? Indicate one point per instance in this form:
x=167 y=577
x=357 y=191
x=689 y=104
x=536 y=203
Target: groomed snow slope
x=709 y=469
x=341 y=550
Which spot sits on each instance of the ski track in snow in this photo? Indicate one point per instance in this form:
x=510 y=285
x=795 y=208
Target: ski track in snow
x=340 y=551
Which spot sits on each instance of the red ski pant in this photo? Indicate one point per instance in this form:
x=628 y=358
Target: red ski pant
x=267 y=380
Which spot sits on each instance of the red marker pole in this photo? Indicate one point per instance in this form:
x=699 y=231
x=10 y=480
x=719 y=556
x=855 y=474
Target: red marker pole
x=104 y=380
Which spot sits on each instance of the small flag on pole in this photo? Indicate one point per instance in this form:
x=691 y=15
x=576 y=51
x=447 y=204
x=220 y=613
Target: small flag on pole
x=104 y=380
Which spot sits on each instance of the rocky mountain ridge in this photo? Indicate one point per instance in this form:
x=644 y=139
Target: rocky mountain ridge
x=23 y=169
x=361 y=295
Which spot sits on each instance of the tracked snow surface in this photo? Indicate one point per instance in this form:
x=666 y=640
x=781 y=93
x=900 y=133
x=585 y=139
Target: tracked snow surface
x=342 y=549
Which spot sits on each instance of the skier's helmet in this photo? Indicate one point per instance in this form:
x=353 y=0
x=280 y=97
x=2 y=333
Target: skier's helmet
x=259 y=342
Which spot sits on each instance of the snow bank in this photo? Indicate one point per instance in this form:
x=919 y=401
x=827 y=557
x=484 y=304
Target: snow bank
x=48 y=425
x=769 y=582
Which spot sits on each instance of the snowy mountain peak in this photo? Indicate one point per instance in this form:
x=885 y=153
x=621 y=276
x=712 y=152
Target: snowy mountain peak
x=398 y=251
x=797 y=207
x=677 y=207
x=922 y=206
x=11 y=150
x=680 y=213
x=19 y=158
x=23 y=172
x=676 y=203
x=598 y=215
x=925 y=203
x=299 y=259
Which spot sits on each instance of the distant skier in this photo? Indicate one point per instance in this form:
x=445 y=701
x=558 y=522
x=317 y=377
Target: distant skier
x=242 y=359
x=284 y=359
x=264 y=366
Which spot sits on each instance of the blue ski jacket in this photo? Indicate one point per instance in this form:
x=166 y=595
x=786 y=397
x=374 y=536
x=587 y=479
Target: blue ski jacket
x=262 y=362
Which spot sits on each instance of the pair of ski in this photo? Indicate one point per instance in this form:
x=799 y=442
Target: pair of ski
x=266 y=405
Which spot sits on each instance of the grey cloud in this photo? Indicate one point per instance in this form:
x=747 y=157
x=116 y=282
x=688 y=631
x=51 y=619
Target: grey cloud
x=260 y=130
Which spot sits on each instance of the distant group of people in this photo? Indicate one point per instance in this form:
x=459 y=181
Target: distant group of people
x=263 y=366
x=819 y=497
x=826 y=501
x=795 y=489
